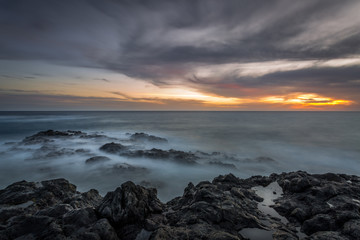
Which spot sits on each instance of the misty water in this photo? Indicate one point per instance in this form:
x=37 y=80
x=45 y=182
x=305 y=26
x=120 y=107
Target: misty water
x=243 y=143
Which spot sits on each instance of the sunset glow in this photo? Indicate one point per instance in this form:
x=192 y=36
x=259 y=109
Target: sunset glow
x=180 y=94
x=161 y=56
x=296 y=101
x=304 y=100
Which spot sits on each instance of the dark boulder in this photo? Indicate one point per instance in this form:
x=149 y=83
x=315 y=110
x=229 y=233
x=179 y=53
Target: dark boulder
x=113 y=148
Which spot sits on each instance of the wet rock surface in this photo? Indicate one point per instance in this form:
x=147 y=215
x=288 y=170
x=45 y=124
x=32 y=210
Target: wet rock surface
x=321 y=206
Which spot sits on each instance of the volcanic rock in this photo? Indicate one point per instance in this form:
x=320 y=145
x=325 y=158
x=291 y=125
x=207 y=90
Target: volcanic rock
x=322 y=206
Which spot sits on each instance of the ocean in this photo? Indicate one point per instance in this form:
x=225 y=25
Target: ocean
x=242 y=143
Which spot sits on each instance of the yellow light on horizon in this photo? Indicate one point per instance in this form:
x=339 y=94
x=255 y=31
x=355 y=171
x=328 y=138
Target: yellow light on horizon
x=183 y=94
x=304 y=100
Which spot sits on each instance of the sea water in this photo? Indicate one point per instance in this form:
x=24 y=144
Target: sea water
x=252 y=142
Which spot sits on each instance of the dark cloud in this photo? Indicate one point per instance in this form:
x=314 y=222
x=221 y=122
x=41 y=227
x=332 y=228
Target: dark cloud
x=163 y=41
x=17 y=91
x=334 y=82
x=9 y=77
x=337 y=82
x=123 y=34
x=128 y=98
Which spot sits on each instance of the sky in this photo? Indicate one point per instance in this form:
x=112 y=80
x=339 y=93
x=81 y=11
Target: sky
x=246 y=55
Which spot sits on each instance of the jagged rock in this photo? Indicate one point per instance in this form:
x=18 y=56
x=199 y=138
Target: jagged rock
x=128 y=206
x=226 y=182
x=56 y=211
x=78 y=218
x=129 y=203
x=324 y=206
x=42 y=194
x=104 y=230
x=147 y=137
x=320 y=202
x=50 y=210
x=28 y=227
x=97 y=159
x=211 y=212
x=90 y=199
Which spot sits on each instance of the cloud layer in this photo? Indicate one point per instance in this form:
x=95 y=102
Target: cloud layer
x=232 y=48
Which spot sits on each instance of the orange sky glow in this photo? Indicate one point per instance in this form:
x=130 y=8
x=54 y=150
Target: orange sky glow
x=222 y=55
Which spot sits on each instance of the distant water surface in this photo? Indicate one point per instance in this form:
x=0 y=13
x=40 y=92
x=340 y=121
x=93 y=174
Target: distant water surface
x=316 y=142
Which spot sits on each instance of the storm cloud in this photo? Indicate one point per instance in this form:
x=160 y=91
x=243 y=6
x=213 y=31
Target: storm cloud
x=171 y=42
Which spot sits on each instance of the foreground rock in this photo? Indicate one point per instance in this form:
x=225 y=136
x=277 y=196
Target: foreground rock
x=327 y=202
x=320 y=206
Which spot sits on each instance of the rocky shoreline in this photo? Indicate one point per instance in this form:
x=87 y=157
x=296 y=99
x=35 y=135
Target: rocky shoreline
x=294 y=205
